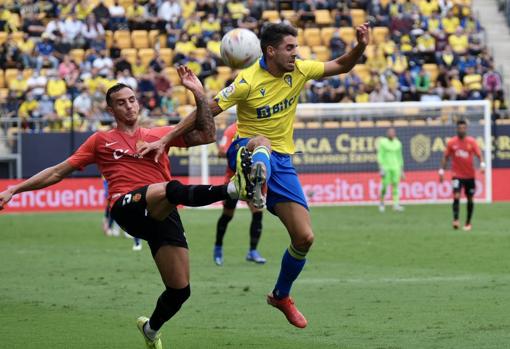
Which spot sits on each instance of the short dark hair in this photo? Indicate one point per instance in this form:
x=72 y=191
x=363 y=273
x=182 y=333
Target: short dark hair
x=272 y=34
x=115 y=88
x=461 y=122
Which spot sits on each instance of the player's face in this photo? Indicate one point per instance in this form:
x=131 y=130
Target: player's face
x=284 y=55
x=462 y=130
x=125 y=107
x=391 y=133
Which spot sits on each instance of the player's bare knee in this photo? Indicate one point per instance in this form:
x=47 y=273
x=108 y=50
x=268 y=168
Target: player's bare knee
x=456 y=196
x=305 y=242
x=259 y=141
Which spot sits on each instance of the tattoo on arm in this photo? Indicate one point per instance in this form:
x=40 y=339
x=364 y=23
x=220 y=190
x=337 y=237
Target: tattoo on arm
x=204 y=131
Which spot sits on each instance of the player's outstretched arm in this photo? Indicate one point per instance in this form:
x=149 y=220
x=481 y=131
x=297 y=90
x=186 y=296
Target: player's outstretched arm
x=43 y=179
x=346 y=62
x=185 y=126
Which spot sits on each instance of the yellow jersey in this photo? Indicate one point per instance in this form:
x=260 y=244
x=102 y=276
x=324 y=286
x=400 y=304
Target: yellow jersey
x=266 y=104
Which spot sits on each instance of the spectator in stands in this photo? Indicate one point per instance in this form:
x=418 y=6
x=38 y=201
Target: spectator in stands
x=397 y=62
x=426 y=45
x=61 y=48
x=151 y=16
x=399 y=26
x=459 y=41
x=10 y=55
x=168 y=105
x=341 y=15
x=93 y=33
x=82 y=104
x=306 y=12
x=33 y=25
x=213 y=84
x=122 y=63
x=11 y=105
x=45 y=112
x=210 y=25
x=207 y=65
x=102 y=14
x=118 y=20
x=380 y=94
x=161 y=84
x=56 y=86
x=472 y=82
x=428 y=7
x=381 y=12
x=68 y=70
x=337 y=45
x=54 y=26
x=249 y=22
x=138 y=69
x=72 y=30
x=237 y=9
x=126 y=78
x=433 y=24
x=27 y=108
x=103 y=63
x=62 y=109
x=227 y=23
x=115 y=50
x=407 y=86
x=450 y=23
x=256 y=9
x=156 y=64
x=188 y=8
x=492 y=82
x=136 y=17
x=174 y=29
x=44 y=50
x=377 y=61
x=148 y=94
x=207 y=7
x=475 y=46
x=26 y=48
x=83 y=9
x=169 y=10
x=362 y=95
x=422 y=82
x=19 y=85
x=183 y=48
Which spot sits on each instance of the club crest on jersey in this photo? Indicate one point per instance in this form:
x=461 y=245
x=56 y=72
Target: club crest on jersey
x=227 y=91
x=288 y=79
x=263 y=92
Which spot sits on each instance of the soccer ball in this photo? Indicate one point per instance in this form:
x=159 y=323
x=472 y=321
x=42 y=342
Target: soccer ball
x=240 y=48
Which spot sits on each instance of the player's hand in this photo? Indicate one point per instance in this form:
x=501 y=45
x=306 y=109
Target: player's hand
x=5 y=197
x=145 y=148
x=363 y=33
x=190 y=80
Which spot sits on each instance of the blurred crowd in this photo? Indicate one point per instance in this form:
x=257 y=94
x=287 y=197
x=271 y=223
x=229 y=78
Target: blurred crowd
x=62 y=56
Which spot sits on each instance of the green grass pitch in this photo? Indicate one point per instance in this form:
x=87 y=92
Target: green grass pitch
x=393 y=280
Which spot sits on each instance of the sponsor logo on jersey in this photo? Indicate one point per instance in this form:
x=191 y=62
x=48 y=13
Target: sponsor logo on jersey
x=268 y=110
x=263 y=91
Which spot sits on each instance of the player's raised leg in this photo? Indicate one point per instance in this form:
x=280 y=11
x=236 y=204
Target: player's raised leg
x=260 y=149
x=173 y=265
x=296 y=219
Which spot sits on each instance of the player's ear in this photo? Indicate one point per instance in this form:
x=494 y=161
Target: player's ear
x=110 y=110
x=270 y=51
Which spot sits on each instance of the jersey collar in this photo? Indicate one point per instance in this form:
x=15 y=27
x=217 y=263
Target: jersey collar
x=262 y=63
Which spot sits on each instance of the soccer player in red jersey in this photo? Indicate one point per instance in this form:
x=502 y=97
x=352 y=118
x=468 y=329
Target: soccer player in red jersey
x=143 y=195
x=461 y=149
x=229 y=207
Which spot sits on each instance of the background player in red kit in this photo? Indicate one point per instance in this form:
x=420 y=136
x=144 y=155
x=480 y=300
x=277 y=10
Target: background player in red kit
x=461 y=149
x=143 y=195
x=229 y=207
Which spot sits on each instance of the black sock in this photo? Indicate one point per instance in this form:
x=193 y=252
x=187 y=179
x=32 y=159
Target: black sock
x=168 y=304
x=470 y=208
x=221 y=229
x=456 y=209
x=195 y=195
x=255 y=230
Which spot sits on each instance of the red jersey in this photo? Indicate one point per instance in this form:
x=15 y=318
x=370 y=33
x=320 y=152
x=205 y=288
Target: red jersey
x=461 y=151
x=226 y=141
x=114 y=153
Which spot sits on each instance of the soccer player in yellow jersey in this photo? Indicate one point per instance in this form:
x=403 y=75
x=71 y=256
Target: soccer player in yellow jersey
x=266 y=95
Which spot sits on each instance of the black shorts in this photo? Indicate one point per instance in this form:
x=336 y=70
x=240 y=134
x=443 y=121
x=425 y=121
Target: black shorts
x=230 y=203
x=130 y=212
x=468 y=184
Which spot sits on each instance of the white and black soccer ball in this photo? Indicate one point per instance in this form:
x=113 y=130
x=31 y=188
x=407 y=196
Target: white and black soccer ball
x=240 y=48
